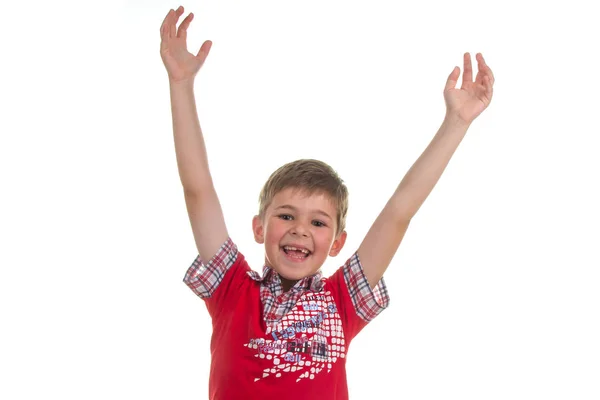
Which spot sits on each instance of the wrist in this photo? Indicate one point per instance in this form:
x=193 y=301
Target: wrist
x=454 y=120
x=182 y=83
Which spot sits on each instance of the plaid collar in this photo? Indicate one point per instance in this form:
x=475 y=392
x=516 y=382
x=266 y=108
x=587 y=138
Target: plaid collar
x=271 y=279
x=276 y=304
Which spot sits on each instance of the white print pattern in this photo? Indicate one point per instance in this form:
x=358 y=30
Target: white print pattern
x=309 y=340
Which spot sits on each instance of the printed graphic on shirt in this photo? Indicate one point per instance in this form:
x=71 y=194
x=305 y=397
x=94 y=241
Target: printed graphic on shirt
x=307 y=340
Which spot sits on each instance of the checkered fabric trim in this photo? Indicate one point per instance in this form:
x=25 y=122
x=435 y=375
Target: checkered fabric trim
x=202 y=278
x=368 y=302
x=276 y=303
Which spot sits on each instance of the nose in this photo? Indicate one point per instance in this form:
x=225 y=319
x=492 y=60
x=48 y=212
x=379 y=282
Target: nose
x=299 y=229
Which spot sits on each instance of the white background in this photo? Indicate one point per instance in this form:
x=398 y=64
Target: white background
x=494 y=290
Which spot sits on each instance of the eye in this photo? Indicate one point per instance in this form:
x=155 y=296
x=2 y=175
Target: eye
x=319 y=223
x=284 y=217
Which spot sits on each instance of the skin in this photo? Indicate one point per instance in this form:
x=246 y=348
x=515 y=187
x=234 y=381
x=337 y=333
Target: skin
x=293 y=217
x=463 y=106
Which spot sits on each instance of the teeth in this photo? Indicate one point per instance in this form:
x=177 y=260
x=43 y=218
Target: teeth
x=294 y=248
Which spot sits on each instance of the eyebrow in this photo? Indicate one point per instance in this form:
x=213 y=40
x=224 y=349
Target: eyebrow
x=296 y=210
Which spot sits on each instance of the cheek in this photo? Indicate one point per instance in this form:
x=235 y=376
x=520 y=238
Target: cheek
x=323 y=239
x=274 y=232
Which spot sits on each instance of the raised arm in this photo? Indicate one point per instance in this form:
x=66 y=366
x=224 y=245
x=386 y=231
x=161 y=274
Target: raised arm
x=462 y=107
x=204 y=209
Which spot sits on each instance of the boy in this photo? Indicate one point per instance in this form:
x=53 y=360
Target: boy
x=285 y=334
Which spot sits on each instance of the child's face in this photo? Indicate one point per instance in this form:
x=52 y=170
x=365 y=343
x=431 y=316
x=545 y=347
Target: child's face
x=308 y=222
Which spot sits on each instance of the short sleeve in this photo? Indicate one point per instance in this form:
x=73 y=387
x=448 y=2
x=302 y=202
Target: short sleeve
x=222 y=281
x=367 y=302
x=357 y=303
x=203 y=279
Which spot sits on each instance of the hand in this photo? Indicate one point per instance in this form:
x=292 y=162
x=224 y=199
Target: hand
x=473 y=97
x=181 y=64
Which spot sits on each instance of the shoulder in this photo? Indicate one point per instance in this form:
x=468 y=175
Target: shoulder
x=350 y=286
x=227 y=265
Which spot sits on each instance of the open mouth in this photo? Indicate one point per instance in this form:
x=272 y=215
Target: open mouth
x=295 y=253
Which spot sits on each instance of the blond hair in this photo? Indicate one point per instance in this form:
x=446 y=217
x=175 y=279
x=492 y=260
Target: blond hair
x=311 y=177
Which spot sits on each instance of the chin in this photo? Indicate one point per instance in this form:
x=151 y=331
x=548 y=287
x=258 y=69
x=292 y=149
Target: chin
x=293 y=268
x=292 y=276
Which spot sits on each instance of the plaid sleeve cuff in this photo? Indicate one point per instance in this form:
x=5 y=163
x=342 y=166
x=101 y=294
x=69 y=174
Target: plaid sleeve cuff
x=367 y=302
x=202 y=278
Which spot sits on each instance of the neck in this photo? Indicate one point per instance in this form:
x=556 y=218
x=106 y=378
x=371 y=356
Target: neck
x=286 y=283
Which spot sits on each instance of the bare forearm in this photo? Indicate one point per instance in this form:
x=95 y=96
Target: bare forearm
x=421 y=178
x=190 y=148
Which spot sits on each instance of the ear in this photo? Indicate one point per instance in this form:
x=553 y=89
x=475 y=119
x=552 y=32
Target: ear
x=258 y=229
x=338 y=243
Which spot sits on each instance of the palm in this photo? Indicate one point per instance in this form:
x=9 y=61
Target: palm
x=179 y=62
x=473 y=97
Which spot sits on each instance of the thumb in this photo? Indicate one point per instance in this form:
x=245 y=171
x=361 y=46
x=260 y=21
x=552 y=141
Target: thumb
x=452 y=79
x=204 y=50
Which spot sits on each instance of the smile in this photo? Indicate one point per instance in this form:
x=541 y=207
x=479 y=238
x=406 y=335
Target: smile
x=295 y=254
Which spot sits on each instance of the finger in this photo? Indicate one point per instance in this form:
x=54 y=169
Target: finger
x=204 y=50
x=182 y=31
x=489 y=91
x=490 y=74
x=483 y=66
x=468 y=74
x=452 y=79
x=174 y=20
x=163 y=27
x=172 y=31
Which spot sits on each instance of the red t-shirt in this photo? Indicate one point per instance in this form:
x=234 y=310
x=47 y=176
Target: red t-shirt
x=301 y=356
